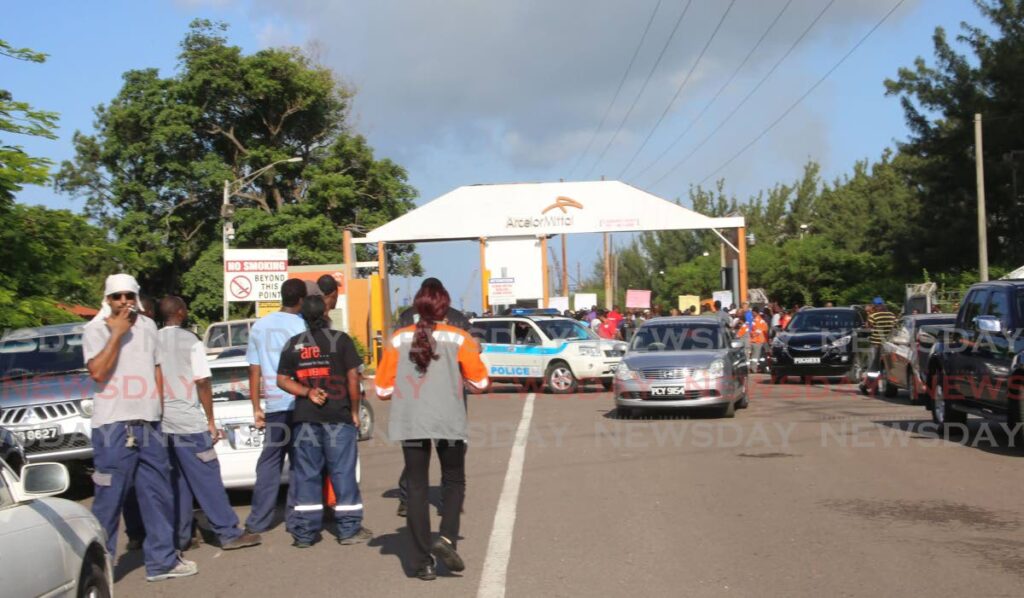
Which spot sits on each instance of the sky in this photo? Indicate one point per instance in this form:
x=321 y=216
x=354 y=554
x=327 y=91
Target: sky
x=464 y=92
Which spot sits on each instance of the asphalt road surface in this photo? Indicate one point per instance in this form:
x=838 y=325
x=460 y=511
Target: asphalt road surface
x=813 y=490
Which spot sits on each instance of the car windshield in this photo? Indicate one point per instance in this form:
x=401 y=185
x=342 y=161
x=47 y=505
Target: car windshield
x=823 y=321
x=38 y=356
x=231 y=383
x=676 y=337
x=565 y=329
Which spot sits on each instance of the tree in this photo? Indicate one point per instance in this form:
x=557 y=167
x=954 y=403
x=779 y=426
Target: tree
x=939 y=103
x=154 y=170
x=52 y=256
x=19 y=118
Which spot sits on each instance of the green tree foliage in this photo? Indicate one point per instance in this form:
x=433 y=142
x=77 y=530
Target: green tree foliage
x=19 y=118
x=939 y=102
x=155 y=168
x=52 y=256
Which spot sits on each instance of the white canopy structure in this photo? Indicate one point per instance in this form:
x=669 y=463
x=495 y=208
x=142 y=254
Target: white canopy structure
x=517 y=210
x=541 y=210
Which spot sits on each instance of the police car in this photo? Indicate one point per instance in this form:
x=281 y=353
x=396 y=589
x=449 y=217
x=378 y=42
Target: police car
x=559 y=352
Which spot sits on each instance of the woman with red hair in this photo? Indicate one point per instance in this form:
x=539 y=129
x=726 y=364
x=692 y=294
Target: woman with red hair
x=422 y=372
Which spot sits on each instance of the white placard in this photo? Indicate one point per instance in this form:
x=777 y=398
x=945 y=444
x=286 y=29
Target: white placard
x=255 y=274
x=501 y=291
x=725 y=297
x=584 y=301
x=559 y=303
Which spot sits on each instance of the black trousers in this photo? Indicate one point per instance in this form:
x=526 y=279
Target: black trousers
x=453 y=491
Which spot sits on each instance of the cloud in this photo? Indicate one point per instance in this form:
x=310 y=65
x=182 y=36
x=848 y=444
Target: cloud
x=528 y=81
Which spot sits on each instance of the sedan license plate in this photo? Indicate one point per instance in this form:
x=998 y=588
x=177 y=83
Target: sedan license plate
x=247 y=437
x=806 y=360
x=38 y=435
x=668 y=391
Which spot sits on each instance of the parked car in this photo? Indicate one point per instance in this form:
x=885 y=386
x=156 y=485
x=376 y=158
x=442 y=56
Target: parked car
x=48 y=546
x=902 y=354
x=560 y=353
x=232 y=411
x=976 y=367
x=221 y=336
x=819 y=341
x=682 y=363
x=46 y=395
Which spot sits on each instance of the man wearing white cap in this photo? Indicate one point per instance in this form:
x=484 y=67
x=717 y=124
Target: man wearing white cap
x=120 y=348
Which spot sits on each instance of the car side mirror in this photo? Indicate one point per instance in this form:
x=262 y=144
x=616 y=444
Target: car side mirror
x=39 y=480
x=988 y=324
x=737 y=344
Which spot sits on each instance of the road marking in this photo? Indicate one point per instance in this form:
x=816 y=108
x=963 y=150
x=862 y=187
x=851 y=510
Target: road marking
x=499 y=548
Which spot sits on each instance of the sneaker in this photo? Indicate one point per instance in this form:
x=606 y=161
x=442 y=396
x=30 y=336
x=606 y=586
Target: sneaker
x=182 y=569
x=363 y=535
x=444 y=550
x=243 y=541
x=297 y=543
x=427 y=572
x=134 y=544
x=403 y=509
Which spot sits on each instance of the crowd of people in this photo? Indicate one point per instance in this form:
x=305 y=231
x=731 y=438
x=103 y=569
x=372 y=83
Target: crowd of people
x=154 y=433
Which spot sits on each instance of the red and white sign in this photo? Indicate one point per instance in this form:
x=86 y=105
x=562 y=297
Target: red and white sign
x=255 y=274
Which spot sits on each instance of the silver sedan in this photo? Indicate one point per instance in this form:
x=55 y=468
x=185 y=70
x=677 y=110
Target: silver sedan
x=682 y=363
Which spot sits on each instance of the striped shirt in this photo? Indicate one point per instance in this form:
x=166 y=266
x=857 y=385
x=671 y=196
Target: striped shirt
x=881 y=324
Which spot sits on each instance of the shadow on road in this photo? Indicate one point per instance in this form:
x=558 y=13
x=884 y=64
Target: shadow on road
x=988 y=436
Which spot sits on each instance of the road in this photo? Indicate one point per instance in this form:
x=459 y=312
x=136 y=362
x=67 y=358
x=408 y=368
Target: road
x=813 y=490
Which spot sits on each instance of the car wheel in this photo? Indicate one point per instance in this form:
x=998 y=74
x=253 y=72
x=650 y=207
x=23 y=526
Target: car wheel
x=93 y=583
x=607 y=383
x=888 y=389
x=744 y=401
x=365 y=420
x=914 y=386
x=560 y=379
x=778 y=378
x=943 y=414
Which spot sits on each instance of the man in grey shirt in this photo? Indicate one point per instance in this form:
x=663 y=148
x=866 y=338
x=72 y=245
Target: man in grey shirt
x=191 y=432
x=119 y=346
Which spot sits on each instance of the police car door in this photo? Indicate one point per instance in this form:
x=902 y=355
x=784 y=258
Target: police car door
x=495 y=338
x=528 y=353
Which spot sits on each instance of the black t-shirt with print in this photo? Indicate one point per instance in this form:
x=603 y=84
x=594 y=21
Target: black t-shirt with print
x=321 y=359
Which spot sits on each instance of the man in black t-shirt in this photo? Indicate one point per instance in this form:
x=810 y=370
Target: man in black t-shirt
x=321 y=368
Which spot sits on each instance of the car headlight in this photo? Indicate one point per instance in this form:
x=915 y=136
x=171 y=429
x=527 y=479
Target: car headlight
x=622 y=372
x=590 y=351
x=841 y=342
x=87 y=407
x=716 y=369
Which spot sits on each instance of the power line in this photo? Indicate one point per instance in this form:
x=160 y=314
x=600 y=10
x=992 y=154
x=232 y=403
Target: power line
x=720 y=91
x=750 y=94
x=642 y=88
x=615 y=97
x=686 y=80
x=806 y=93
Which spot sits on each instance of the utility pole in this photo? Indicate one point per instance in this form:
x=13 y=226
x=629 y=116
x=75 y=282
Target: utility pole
x=979 y=163
x=607 y=272
x=565 y=270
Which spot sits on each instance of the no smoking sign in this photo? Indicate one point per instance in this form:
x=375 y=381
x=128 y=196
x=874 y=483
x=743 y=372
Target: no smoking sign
x=255 y=274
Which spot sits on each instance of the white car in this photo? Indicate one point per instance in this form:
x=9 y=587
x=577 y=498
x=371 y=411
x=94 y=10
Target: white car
x=240 y=448
x=48 y=546
x=559 y=352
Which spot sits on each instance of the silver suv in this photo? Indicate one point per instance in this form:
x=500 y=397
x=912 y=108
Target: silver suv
x=46 y=395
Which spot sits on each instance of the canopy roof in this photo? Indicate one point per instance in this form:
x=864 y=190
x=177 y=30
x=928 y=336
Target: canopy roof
x=527 y=209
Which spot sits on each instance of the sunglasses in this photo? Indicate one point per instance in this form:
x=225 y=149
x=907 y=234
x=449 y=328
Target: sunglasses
x=119 y=296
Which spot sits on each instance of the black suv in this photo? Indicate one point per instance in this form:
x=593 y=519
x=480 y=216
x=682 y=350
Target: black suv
x=977 y=367
x=821 y=341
